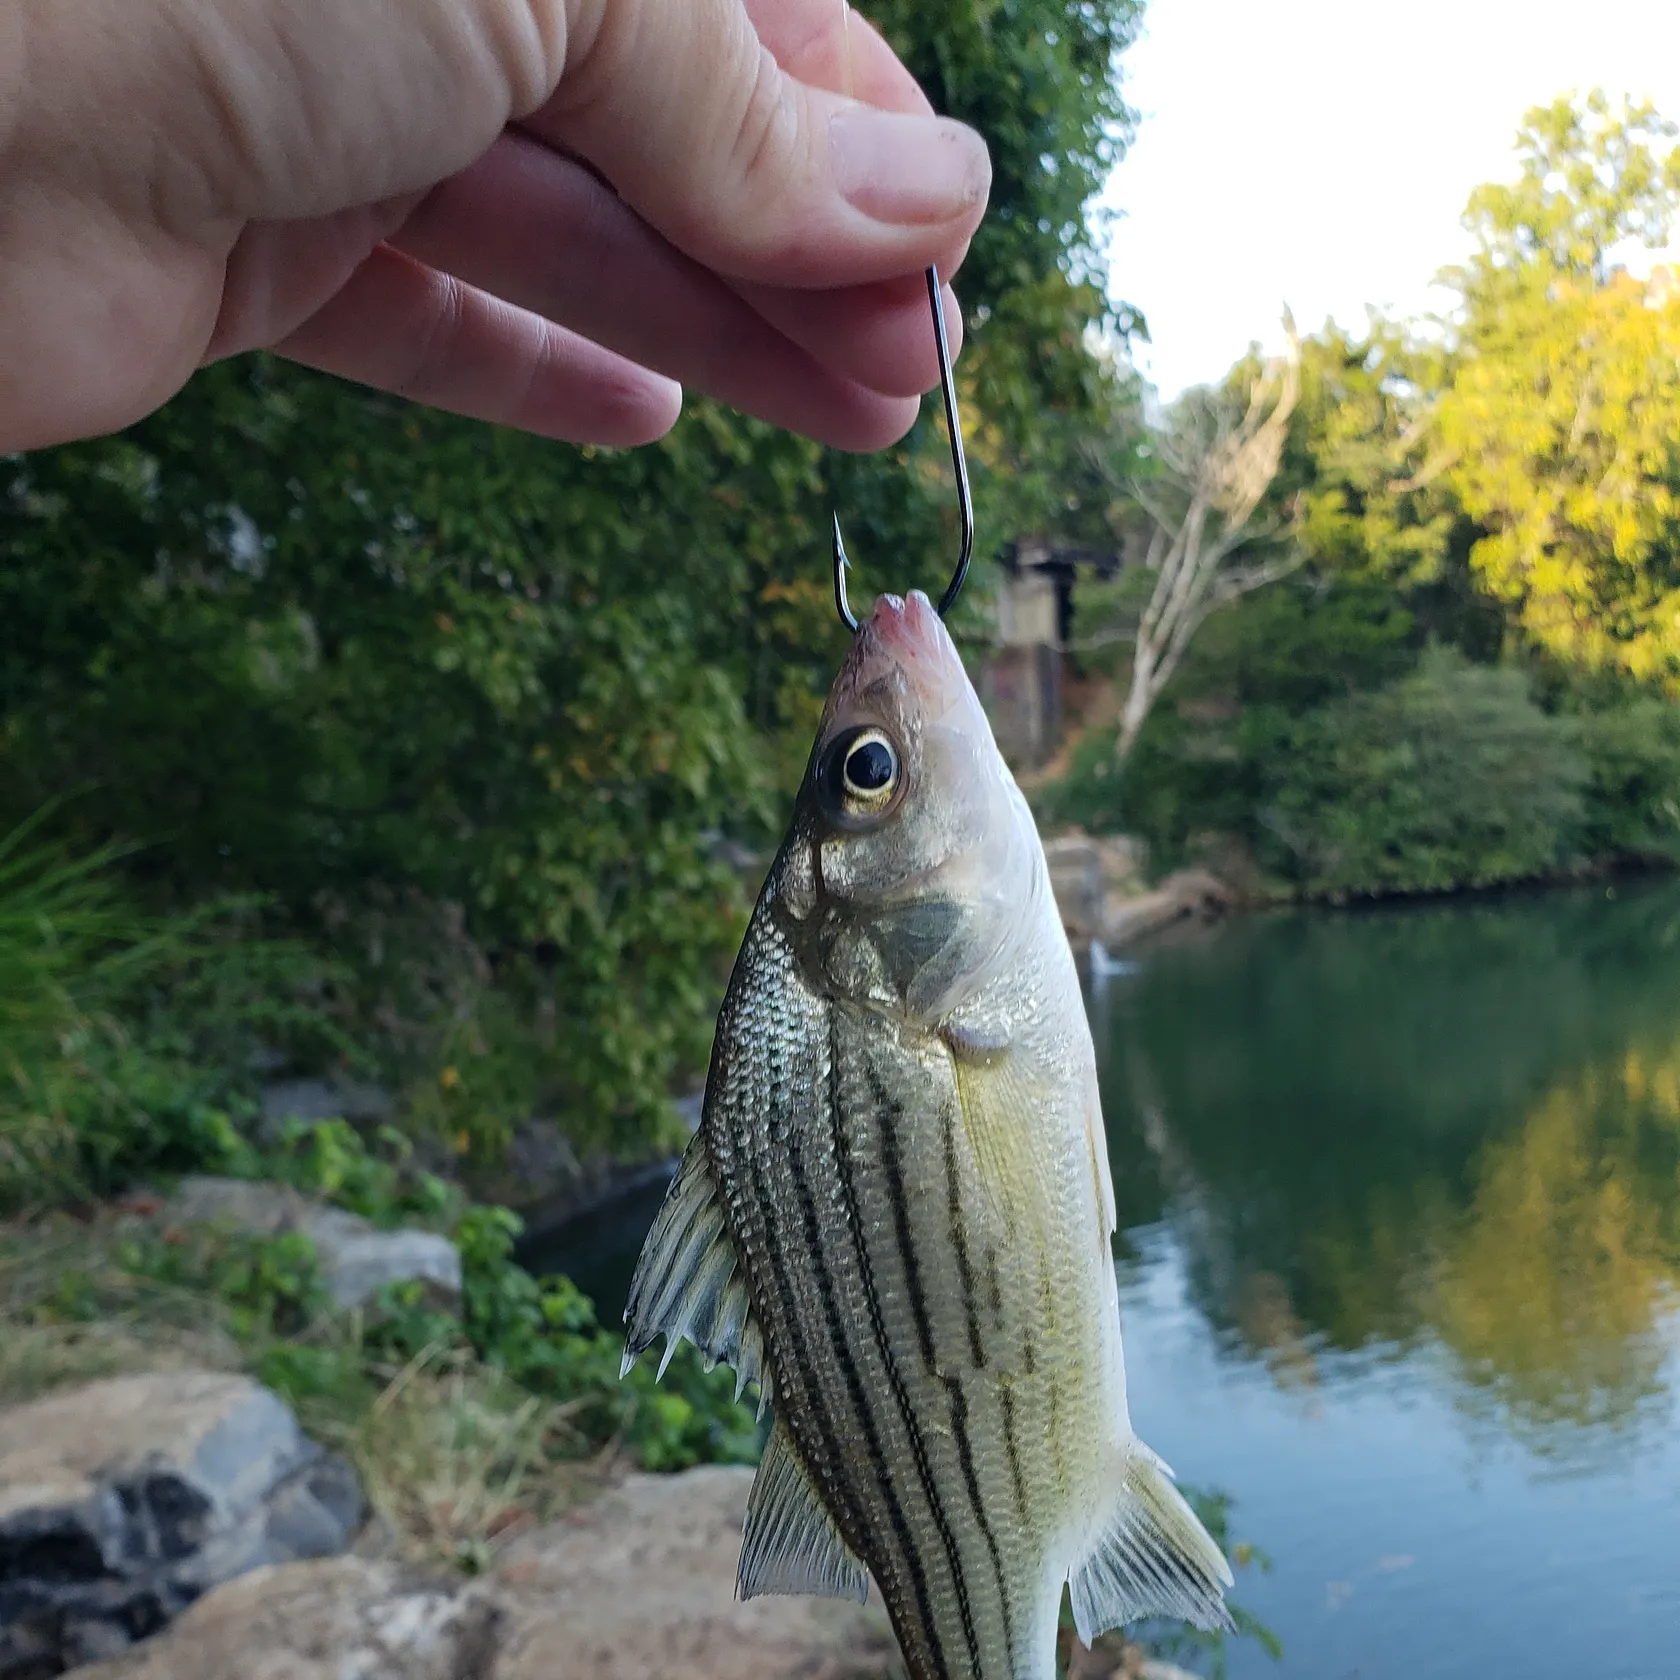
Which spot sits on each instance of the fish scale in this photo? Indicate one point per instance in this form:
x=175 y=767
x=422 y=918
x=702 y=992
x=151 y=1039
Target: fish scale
x=899 y=1191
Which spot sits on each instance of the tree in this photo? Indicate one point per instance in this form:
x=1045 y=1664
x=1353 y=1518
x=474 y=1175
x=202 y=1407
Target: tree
x=300 y=640
x=1561 y=422
x=1216 y=462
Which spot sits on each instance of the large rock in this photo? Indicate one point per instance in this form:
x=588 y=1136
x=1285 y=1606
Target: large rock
x=1090 y=875
x=342 y=1619
x=642 y=1582
x=356 y=1257
x=124 y=1501
x=1188 y=893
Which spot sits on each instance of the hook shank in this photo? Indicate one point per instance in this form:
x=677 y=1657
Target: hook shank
x=959 y=463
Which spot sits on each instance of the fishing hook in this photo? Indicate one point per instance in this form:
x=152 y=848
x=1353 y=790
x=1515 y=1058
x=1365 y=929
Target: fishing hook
x=965 y=501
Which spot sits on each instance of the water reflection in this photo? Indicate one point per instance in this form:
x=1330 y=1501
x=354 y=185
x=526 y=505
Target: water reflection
x=1400 y=1207
x=1553 y=1286
x=1440 y=1129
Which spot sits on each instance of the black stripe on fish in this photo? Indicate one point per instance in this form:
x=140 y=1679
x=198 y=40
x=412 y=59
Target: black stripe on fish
x=953 y=1385
x=1006 y=1403
x=823 y=1465
x=909 y=1556
x=959 y=1242
x=803 y=1373
x=890 y=1114
x=892 y=1164
x=994 y=1288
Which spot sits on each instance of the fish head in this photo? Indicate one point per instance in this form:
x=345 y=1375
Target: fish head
x=913 y=864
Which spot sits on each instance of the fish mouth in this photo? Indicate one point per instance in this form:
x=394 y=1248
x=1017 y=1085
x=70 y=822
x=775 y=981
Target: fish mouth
x=906 y=635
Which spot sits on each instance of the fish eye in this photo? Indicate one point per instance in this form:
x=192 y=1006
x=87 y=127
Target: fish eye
x=860 y=774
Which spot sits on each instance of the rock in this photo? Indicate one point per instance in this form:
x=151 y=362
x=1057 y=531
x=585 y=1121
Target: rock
x=642 y=1582
x=324 y=1099
x=1190 y=892
x=123 y=1501
x=341 y=1619
x=356 y=1257
x=1076 y=880
x=1090 y=873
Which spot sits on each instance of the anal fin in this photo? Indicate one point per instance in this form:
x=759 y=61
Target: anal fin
x=790 y=1543
x=1155 y=1559
x=689 y=1283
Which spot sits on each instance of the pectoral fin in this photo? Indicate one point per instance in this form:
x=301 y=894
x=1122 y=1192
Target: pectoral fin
x=790 y=1544
x=1155 y=1559
x=689 y=1283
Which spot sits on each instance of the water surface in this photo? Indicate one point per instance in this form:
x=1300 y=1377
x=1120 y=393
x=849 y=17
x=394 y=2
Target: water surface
x=1400 y=1269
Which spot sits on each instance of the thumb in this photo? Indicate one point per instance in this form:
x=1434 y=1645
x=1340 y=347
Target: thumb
x=750 y=171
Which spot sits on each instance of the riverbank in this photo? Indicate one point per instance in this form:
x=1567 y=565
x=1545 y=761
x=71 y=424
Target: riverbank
x=239 y=1417
x=1107 y=902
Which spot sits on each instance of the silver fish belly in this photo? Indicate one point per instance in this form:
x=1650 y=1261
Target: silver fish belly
x=896 y=1216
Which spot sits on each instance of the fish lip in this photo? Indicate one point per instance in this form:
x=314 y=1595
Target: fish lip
x=906 y=624
x=906 y=635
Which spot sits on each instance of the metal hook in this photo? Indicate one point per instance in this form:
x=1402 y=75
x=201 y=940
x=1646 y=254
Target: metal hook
x=965 y=501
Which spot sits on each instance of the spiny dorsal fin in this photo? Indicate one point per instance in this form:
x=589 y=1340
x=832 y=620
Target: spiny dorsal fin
x=689 y=1283
x=790 y=1544
x=1155 y=1559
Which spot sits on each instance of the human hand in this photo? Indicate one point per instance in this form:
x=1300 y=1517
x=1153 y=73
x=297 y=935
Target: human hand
x=412 y=196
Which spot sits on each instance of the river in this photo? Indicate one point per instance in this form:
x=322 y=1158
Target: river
x=1400 y=1273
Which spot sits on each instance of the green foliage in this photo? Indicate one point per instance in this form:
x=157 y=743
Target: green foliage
x=1557 y=423
x=1452 y=776
x=375 y=1177
x=1039 y=80
x=126 y=1036
x=1592 y=177
x=1508 y=490
x=1633 y=794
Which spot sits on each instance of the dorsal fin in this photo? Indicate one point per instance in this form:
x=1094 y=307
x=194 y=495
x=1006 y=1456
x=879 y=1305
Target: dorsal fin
x=689 y=1283
x=1154 y=1559
x=790 y=1543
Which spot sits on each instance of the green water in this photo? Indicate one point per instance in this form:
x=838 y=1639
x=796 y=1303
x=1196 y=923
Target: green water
x=1401 y=1203
x=1400 y=1257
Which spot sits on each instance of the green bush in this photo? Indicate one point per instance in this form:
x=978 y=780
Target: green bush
x=1450 y=777
x=1633 y=788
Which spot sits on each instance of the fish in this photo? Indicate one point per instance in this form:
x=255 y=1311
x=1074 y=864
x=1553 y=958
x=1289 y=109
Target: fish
x=896 y=1216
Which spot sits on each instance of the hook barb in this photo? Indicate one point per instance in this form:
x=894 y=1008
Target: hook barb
x=959 y=463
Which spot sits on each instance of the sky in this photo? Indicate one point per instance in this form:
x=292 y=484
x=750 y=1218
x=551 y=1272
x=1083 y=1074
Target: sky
x=1319 y=152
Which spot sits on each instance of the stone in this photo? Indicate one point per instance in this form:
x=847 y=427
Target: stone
x=642 y=1582
x=323 y=1099
x=1188 y=893
x=1075 y=865
x=639 y=1583
x=123 y=1501
x=1090 y=875
x=340 y=1619
x=356 y=1257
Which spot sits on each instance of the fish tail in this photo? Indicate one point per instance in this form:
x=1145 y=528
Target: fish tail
x=1153 y=1559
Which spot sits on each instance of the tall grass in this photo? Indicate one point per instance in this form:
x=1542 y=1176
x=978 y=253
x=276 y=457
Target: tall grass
x=127 y=1036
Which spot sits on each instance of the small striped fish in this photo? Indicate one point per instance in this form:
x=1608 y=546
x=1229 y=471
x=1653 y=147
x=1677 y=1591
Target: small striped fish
x=896 y=1216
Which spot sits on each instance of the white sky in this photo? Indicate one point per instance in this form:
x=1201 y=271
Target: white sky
x=1319 y=152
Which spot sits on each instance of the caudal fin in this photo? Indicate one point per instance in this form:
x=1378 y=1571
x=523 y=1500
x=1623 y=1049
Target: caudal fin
x=1155 y=1559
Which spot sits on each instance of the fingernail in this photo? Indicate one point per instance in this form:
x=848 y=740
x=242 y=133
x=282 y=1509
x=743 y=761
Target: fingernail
x=905 y=169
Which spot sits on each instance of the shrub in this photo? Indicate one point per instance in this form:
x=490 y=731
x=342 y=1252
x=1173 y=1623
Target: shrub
x=1633 y=790
x=1450 y=777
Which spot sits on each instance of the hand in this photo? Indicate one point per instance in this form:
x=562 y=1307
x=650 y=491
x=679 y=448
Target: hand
x=414 y=195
